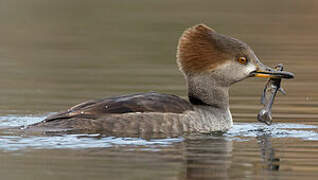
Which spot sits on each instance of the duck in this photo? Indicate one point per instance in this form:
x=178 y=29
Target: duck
x=210 y=61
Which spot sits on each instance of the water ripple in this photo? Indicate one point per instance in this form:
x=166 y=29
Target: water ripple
x=77 y=141
x=276 y=130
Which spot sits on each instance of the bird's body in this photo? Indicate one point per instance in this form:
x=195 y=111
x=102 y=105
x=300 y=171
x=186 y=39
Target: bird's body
x=143 y=115
x=211 y=63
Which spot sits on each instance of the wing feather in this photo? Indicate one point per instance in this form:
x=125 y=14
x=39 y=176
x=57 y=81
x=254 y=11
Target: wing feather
x=142 y=102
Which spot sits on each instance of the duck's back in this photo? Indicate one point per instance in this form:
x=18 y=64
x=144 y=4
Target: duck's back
x=142 y=102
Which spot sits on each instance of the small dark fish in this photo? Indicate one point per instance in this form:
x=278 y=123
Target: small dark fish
x=271 y=88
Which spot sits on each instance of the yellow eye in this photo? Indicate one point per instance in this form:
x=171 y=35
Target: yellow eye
x=242 y=60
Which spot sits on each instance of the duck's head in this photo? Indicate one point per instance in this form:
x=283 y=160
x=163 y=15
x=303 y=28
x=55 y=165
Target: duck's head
x=204 y=52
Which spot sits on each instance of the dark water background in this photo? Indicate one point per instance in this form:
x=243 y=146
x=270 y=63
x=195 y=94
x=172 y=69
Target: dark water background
x=54 y=54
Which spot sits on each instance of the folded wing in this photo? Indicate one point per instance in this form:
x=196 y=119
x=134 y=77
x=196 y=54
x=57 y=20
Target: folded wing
x=142 y=102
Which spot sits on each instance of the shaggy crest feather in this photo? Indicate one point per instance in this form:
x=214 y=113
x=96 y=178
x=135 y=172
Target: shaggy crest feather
x=200 y=49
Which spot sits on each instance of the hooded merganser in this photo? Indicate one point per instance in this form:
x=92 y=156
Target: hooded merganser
x=211 y=63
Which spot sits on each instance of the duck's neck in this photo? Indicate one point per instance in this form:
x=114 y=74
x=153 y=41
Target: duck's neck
x=205 y=90
x=211 y=103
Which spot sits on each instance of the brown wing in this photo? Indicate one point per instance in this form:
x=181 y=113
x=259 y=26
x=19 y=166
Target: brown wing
x=143 y=102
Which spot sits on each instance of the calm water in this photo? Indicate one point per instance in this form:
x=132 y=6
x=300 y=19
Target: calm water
x=54 y=54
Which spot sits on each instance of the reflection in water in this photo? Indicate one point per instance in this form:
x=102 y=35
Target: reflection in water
x=207 y=157
x=267 y=152
x=215 y=158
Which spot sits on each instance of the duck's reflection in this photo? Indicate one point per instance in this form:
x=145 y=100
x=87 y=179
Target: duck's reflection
x=207 y=157
x=219 y=158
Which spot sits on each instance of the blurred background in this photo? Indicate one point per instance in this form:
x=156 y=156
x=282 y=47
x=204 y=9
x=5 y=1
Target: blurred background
x=54 y=54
